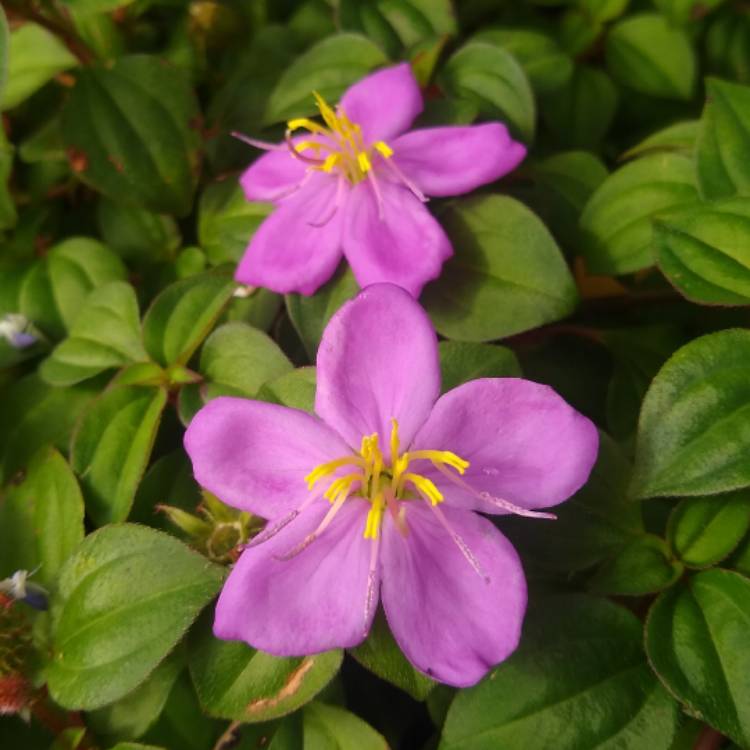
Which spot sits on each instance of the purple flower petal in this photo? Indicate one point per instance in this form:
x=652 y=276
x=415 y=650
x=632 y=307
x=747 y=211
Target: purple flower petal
x=255 y=456
x=384 y=104
x=452 y=622
x=455 y=160
x=402 y=244
x=288 y=252
x=524 y=443
x=377 y=360
x=271 y=176
x=314 y=601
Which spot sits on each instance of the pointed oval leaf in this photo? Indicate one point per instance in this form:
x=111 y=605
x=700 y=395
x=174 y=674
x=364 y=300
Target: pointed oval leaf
x=328 y=67
x=704 y=530
x=693 y=434
x=124 y=599
x=234 y=681
x=536 y=698
x=462 y=361
x=491 y=78
x=696 y=638
x=41 y=518
x=111 y=448
x=490 y=288
x=183 y=315
x=617 y=220
x=106 y=334
x=131 y=133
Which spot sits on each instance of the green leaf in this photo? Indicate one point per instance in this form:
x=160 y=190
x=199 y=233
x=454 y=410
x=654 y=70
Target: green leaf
x=580 y=112
x=643 y=567
x=603 y=10
x=593 y=525
x=34 y=415
x=693 y=435
x=135 y=746
x=562 y=185
x=723 y=146
x=96 y=6
x=35 y=56
x=4 y=45
x=702 y=531
x=617 y=220
x=683 y=11
x=507 y=276
x=727 y=42
x=183 y=315
x=462 y=361
x=394 y=24
x=328 y=67
x=545 y=63
x=69 y=739
x=580 y=658
x=490 y=77
x=310 y=315
x=380 y=654
x=111 y=448
x=130 y=132
x=41 y=518
x=695 y=638
x=227 y=221
x=8 y=211
x=296 y=389
x=130 y=717
x=136 y=234
x=705 y=252
x=106 y=334
x=239 y=359
x=234 y=681
x=123 y=601
x=648 y=55
x=679 y=137
x=333 y=728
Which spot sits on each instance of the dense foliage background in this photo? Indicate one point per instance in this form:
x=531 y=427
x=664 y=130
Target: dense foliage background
x=613 y=265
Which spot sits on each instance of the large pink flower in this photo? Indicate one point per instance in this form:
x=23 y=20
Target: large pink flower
x=377 y=495
x=357 y=186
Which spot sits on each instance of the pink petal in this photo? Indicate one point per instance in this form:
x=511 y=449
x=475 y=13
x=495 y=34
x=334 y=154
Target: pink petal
x=384 y=104
x=524 y=443
x=377 y=360
x=255 y=456
x=455 y=160
x=314 y=601
x=405 y=245
x=272 y=175
x=451 y=622
x=288 y=253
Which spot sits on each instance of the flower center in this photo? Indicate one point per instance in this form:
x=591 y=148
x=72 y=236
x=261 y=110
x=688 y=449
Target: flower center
x=384 y=486
x=340 y=147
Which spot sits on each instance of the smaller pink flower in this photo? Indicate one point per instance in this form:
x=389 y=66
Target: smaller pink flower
x=379 y=495
x=357 y=184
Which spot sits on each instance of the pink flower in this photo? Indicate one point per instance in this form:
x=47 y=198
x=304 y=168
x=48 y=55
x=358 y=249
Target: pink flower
x=378 y=495
x=357 y=187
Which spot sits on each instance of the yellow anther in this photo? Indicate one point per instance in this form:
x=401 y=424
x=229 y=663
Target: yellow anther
x=304 y=122
x=442 y=457
x=326 y=112
x=425 y=486
x=383 y=149
x=303 y=145
x=328 y=468
x=342 y=487
x=363 y=160
x=395 y=445
x=330 y=162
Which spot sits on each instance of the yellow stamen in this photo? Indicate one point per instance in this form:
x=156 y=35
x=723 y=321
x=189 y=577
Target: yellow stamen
x=374 y=517
x=383 y=149
x=330 y=162
x=425 y=486
x=304 y=122
x=441 y=457
x=328 y=468
x=364 y=162
x=326 y=112
x=342 y=486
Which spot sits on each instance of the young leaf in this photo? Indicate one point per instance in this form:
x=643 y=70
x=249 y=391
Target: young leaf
x=106 y=334
x=111 y=448
x=124 y=599
x=695 y=636
x=338 y=729
x=490 y=289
